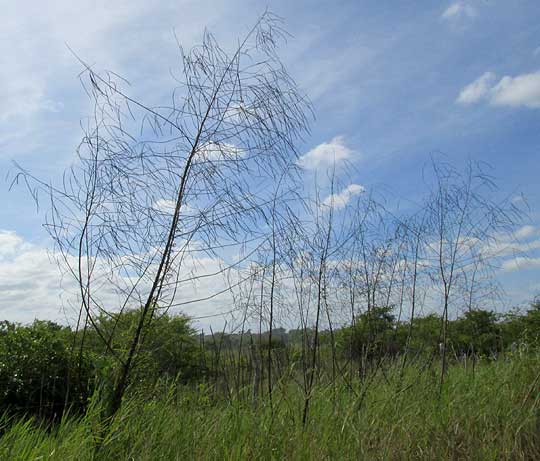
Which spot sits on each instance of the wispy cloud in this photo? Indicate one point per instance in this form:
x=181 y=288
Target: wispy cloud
x=326 y=154
x=25 y=97
x=39 y=85
x=523 y=242
x=477 y=90
x=527 y=231
x=520 y=263
x=520 y=91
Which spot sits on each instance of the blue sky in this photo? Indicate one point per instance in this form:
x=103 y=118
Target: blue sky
x=391 y=83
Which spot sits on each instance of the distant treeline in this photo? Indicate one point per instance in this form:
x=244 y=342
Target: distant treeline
x=43 y=373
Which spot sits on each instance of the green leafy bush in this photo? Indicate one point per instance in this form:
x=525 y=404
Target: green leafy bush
x=168 y=349
x=36 y=372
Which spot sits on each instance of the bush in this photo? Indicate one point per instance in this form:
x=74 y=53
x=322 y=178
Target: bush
x=168 y=349
x=477 y=332
x=373 y=335
x=36 y=373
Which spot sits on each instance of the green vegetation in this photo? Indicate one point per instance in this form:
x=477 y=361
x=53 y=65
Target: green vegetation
x=194 y=397
x=37 y=373
x=486 y=412
x=44 y=369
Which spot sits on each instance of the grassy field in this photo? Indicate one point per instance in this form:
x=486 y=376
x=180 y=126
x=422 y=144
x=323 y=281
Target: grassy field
x=487 y=412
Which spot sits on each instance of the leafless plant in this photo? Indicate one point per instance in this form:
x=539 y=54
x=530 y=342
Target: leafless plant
x=463 y=218
x=156 y=187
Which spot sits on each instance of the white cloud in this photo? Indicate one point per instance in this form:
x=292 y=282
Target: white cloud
x=39 y=85
x=212 y=151
x=31 y=69
x=477 y=90
x=25 y=97
x=520 y=263
x=458 y=10
x=167 y=207
x=31 y=284
x=527 y=231
x=341 y=199
x=164 y=205
x=10 y=243
x=505 y=248
x=519 y=199
x=522 y=90
x=326 y=154
x=521 y=243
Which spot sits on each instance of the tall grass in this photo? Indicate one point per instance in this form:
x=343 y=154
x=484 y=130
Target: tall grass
x=486 y=412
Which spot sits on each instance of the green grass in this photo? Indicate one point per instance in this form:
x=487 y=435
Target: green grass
x=486 y=414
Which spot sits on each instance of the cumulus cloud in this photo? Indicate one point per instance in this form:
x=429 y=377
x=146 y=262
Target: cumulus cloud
x=523 y=90
x=30 y=283
x=520 y=91
x=341 y=199
x=459 y=10
x=326 y=154
x=32 y=286
x=10 y=243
